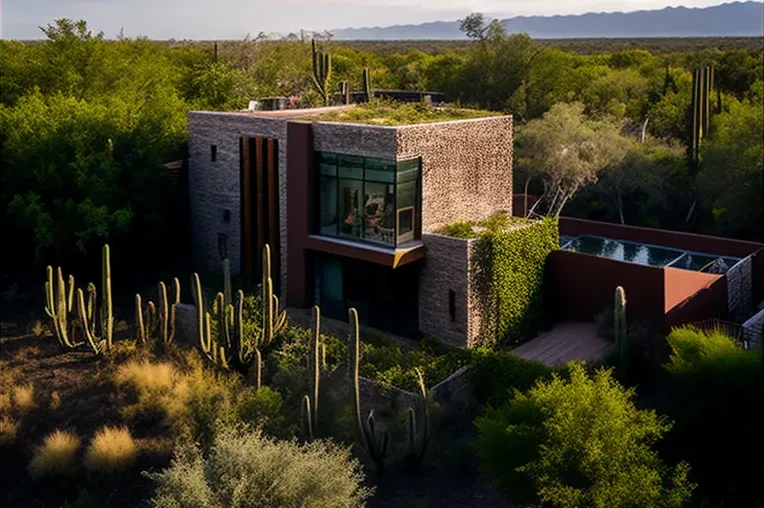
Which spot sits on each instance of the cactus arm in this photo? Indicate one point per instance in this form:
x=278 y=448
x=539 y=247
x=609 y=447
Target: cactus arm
x=367 y=84
x=258 y=369
x=306 y=417
x=164 y=313
x=239 y=342
x=201 y=322
x=173 y=308
x=139 y=326
x=106 y=312
x=90 y=308
x=315 y=359
x=95 y=343
x=417 y=447
x=50 y=304
x=619 y=319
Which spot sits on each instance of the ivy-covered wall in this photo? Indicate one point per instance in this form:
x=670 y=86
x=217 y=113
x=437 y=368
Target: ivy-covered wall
x=508 y=275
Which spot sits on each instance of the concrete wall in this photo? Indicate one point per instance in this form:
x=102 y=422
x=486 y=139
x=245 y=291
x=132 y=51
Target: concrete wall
x=215 y=186
x=466 y=168
x=446 y=268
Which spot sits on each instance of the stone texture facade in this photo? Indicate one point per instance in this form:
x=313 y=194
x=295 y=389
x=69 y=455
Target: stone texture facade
x=215 y=186
x=466 y=168
x=740 y=289
x=753 y=330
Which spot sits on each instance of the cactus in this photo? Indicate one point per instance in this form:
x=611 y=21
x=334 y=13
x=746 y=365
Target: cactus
x=345 y=92
x=314 y=364
x=98 y=329
x=307 y=421
x=152 y=322
x=702 y=86
x=214 y=352
x=273 y=320
x=322 y=71
x=619 y=315
x=367 y=84
x=417 y=447
x=59 y=302
x=227 y=281
x=375 y=446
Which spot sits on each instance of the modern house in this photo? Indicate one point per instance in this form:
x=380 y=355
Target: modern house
x=350 y=210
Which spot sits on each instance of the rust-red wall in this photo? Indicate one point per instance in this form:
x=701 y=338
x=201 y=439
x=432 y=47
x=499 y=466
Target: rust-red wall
x=682 y=284
x=582 y=286
x=299 y=199
x=675 y=239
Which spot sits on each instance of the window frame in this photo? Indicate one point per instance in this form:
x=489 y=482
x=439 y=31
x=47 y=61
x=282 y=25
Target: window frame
x=396 y=168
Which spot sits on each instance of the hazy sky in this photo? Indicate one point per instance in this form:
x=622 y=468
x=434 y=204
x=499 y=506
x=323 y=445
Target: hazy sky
x=228 y=19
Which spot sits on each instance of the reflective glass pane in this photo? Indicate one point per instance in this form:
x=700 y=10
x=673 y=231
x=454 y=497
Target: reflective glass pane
x=350 y=172
x=378 y=213
x=379 y=176
x=408 y=175
x=328 y=202
x=406 y=194
x=380 y=165
x=406 y=223
x=327 y=158
x=408 y=165
x=350 y=208
x=328 y=169
x=350 y=160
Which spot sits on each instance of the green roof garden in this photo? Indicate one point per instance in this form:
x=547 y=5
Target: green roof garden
x=390 y=113
x=496 y=223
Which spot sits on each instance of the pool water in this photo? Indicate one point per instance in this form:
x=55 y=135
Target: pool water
x=650 y=255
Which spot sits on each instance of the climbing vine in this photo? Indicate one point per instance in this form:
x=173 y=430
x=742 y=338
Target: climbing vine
x=509 y=279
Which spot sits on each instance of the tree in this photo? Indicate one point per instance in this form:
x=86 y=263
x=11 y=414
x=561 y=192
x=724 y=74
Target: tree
x=731 y=176
x=580 y=442
x=566 y=151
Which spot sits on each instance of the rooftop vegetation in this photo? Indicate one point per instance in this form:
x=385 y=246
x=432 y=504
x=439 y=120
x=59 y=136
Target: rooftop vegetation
x=383 y=112
x=495 y=223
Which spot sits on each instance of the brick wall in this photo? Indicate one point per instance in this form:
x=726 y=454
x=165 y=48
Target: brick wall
x=214 y=186
x=446 y=268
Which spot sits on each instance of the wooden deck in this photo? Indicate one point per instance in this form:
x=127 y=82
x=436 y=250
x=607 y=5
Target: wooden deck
x=565 y=342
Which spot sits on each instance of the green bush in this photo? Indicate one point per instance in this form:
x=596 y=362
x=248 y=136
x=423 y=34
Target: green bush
x=717 y=401
x=263 y=408
x=496 y=374
x=509 y=273
x=246 y=469
x=459 y=230
x=579 y=443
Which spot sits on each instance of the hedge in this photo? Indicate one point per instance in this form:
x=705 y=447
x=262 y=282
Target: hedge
x=509 y=276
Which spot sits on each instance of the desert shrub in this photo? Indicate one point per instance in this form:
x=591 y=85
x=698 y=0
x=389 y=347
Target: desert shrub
x=23 y=397
x=717 y=402
x=9 y=429
x=112 y=449
x=262 y=408
x=57 y=455
x=150 y=391
x=55 y=400
x=496 y=374
x=5 y=403
x=579 y=443
x=246 y=469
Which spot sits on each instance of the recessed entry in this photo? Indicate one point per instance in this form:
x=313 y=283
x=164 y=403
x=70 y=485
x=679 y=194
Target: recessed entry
x=213 y=153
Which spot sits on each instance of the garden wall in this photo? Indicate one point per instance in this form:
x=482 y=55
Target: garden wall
x=740 y=290
x=753 y=330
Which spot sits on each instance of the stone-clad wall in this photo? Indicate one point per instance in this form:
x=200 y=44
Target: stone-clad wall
x=753 y=330
x=214 y=186
x=355 y=139
x=446 y=268
x=740 y=289
x=466 y=168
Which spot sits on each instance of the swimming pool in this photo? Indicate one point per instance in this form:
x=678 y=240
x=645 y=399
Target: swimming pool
x=645 y=254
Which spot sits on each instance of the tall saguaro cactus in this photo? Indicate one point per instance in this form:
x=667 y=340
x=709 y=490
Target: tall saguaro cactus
x=417 y=444
x=98 y=326
x=367 y=84
x=702 y=87
x=375 y=446
x=274 y=320
x=345 y=92
x=210 y=346
x=59 y=307
x=620 y=327
x=322 y=71
x=310 y=402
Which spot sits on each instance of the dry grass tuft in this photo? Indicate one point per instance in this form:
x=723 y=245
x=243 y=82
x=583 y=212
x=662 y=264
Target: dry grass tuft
x=112 y=449
x=26 y=353
x=5 y=402
x=145 y=377
x=55 y=400
x=8 y=430
x=23 y=397
x=56 y=456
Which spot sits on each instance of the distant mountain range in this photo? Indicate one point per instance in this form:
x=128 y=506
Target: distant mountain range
x=731 y=19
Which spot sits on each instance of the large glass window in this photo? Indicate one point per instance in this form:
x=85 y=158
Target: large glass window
x=368 y=199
